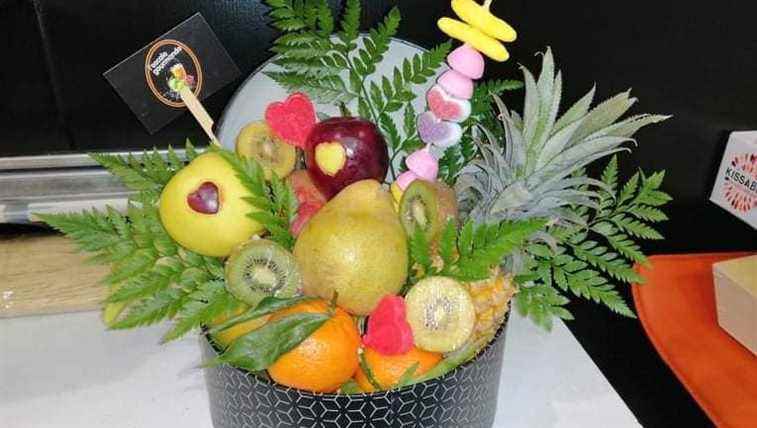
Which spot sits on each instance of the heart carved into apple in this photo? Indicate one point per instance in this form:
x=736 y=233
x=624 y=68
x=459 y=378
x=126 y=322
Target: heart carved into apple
x=344 y=150
x=204 y=200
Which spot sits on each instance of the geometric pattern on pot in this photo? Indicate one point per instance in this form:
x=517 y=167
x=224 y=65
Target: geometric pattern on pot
x=466 y=397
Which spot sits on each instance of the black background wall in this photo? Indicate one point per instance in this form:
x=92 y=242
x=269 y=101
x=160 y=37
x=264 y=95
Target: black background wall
x=695 y=60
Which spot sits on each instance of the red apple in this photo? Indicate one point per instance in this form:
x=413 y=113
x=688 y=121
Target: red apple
x=343 y=150
x=309 y=197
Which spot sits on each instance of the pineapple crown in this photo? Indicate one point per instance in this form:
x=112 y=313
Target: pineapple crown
x=534 y=166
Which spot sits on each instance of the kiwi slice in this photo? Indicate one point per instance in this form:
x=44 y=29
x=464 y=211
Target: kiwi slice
x=441 y=314
x=257 y=141
x=419 y=209
x=261 y=268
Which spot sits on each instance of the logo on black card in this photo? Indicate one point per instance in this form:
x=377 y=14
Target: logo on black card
x=169 y=66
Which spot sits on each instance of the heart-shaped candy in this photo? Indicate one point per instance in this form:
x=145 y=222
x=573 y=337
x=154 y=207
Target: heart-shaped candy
x=456 y=84
x=423 y=164
x=292 y=119
x=433 y=130
x=405 y=179
x=467 y=61
x=389 y=333
x=447 y=107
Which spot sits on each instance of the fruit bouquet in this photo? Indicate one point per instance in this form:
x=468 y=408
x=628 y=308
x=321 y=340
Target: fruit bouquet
x=360 y=269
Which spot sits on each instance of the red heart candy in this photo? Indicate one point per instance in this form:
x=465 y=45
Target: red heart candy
x=291 y=119
x=388 y=330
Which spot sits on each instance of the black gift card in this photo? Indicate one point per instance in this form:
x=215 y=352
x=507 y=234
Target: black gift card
x=190 y=54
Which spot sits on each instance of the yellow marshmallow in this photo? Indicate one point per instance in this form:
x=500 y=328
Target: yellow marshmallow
x=472 y=36
x=479 y=17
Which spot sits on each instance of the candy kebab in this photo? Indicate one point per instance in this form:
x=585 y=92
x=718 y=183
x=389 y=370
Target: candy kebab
x=449 y=100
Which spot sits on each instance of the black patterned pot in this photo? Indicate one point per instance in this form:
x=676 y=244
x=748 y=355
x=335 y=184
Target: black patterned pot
x=465 y=397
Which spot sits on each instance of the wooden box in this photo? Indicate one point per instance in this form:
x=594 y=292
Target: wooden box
x=736 y=299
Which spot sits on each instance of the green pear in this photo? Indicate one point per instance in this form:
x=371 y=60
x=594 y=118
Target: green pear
x=354 y=246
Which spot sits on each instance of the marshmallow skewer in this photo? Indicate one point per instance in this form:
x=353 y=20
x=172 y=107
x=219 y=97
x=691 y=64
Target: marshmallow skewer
x=448 y=101
x=449 y=104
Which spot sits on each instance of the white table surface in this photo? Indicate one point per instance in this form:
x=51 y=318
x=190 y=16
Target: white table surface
x=67 y=371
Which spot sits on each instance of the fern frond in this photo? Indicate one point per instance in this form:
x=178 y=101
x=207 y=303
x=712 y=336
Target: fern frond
x=160 y=306
x=541 y=303
x=377 y=43
x=274 y=204
x=207 y=302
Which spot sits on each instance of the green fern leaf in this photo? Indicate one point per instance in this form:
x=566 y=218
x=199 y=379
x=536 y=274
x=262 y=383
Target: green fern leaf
x=281 y=208
x=635 y=227
x=350 y=23
x=647 y=213
x=143 y=285
x=161 y=306
x=448 y=243
x=377 y=42
x=625 y=246
x=203 y=305
x=420 y=250
x=541 y=304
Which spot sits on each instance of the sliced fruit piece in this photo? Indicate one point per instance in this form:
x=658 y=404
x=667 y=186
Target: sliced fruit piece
x=260 y=268
x=387 y=370
x=441 y=313
x=258 y=142
x=419 y=209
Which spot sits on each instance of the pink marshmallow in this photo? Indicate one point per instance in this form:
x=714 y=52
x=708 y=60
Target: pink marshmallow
x=405 y=179
x=456 y=84
x=440 y=133
x=467 y=61
x=447 y=107
x=423 y=164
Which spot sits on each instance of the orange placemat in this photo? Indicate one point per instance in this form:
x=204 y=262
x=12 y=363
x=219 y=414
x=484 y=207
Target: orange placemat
x=677 y=309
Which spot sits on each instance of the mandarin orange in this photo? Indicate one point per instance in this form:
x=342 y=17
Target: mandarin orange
x=388 y=369
x=326 y=359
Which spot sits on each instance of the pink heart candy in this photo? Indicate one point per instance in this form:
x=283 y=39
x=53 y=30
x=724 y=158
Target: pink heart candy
x=447 y=107
x=423 y=164
x=405 y=179
x=292 y=119
x=433 y=130
x=467 y=61
x=456 y=84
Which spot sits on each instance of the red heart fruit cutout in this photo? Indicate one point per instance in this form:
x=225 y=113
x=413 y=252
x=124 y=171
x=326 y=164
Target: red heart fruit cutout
x=291 y=119
x=388 y=330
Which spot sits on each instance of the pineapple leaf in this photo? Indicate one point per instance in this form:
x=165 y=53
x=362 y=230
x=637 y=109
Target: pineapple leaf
x=577 y=111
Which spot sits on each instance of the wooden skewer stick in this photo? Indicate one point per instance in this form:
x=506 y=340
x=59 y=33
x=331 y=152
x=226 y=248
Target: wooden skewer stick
x=198 y=111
